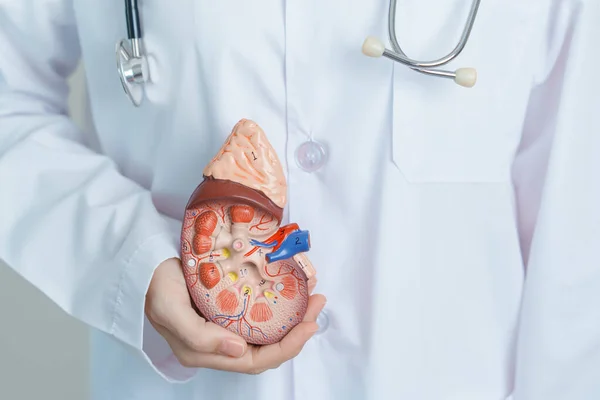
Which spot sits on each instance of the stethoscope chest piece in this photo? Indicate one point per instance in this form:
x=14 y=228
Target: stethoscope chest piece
x=133 y=72
x=132 y=65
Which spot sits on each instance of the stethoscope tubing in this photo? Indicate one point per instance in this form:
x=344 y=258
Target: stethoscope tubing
x=399 y=55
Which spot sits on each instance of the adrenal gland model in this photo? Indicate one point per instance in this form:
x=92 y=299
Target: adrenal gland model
x=245 y=271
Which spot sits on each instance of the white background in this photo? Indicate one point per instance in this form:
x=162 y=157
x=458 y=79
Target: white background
x=43 y=351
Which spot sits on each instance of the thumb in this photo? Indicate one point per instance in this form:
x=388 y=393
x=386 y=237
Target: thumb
x=202 y=336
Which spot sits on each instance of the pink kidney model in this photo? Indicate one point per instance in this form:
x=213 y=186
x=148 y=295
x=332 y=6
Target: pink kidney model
x=243 y=270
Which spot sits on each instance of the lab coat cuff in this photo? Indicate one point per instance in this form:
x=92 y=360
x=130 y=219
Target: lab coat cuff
x=130 y=324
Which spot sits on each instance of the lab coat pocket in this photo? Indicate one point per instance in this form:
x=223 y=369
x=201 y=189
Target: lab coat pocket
x=448 y=140
x=443 y=132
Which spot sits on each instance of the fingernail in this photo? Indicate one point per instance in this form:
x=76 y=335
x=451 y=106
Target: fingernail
x=231 y=348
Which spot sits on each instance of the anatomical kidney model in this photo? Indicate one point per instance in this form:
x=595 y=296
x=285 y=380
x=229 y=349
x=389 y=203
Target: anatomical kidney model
x=243 y=270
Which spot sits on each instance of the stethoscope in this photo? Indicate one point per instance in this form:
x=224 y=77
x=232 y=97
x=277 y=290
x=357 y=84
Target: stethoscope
x=132 y=64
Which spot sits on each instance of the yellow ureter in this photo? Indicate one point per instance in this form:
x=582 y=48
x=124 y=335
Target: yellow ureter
x=233 y=276
x=268 y=295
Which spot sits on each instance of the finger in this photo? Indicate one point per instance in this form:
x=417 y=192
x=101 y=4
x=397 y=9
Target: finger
x=312 y=283
x=201 y=336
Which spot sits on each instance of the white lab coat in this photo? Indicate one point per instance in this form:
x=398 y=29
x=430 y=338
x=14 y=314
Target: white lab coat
x=456 y=231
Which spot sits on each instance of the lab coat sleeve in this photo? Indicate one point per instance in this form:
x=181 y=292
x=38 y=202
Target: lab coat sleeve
x=70 y=223
x=557 y=182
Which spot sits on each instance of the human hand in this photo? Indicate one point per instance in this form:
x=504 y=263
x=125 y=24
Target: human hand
x=198 y=343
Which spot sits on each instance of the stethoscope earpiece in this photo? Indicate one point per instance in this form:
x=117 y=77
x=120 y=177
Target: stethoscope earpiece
x=466 y=77
x=373 y=47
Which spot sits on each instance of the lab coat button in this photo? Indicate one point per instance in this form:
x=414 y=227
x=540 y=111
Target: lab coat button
x=322 y=321
x=310 y=156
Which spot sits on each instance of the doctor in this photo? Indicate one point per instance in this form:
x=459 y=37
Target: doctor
x=456 y=230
